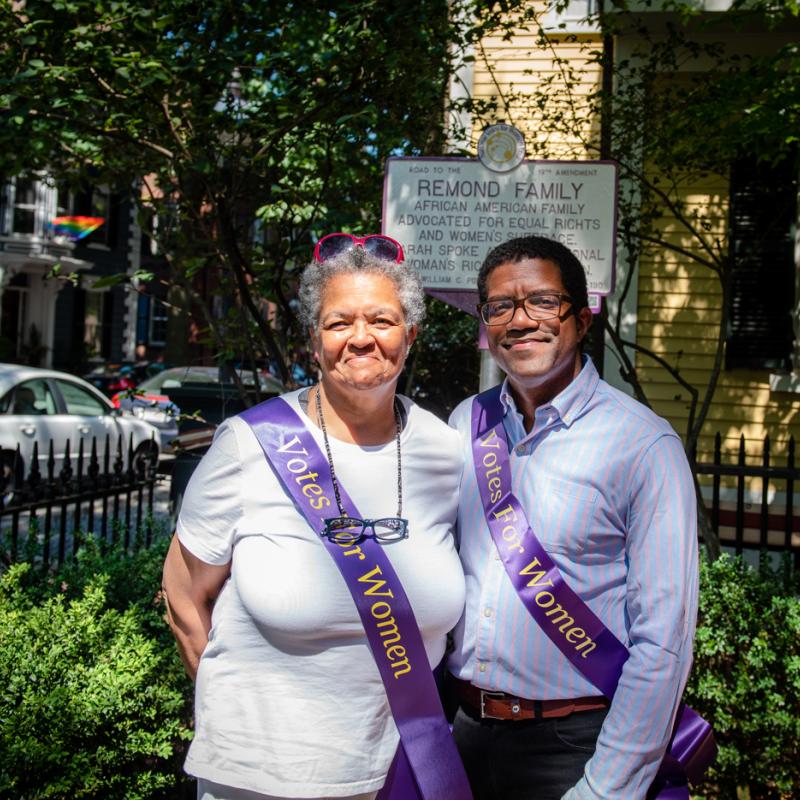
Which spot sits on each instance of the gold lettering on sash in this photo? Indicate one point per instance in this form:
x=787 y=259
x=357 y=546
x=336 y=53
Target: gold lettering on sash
x=535 y=576
x=386 y=625
x=491 y=440
x=391 y=635
x=541 y=603
x=377 y=584
x=402 y=663
x=313 y=492
x=286 y=447
x=491 y=466
x=308 y=475
x=510 y=533
x=353 y=551
x=557 y=614
x=504 y=512
x=567 y=622
x=588 y=643
x=574 y=635
x=381 y=611
x=395 y=652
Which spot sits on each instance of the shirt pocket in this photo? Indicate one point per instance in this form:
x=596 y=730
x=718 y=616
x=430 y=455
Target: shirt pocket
x=566 y=514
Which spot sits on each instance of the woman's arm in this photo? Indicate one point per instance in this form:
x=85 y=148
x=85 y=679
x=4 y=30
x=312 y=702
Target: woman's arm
x=190 y=587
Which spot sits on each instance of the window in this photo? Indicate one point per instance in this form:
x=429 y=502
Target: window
x=31 y=397
x=65 y=201
x=159 y=228
x=96 y=202
x=27 y=205
x=24 y=209
x=13 y=317
x=97 y=324
x=79 y=401
x=159 y=316
x=574 y=16
x=763 y=214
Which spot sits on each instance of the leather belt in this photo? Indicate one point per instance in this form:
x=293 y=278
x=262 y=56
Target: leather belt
x=499 y=705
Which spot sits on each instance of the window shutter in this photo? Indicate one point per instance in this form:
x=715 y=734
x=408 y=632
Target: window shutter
x=763 y=212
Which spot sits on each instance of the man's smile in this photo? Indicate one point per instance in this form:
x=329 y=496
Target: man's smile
x=524 y=343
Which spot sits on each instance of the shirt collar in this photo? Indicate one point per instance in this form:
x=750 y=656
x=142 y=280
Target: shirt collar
x=570 y=402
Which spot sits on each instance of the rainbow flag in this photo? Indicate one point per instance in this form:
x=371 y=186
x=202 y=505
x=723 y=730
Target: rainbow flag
x=74 y=227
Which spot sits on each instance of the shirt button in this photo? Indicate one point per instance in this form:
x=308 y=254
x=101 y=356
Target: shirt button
x=487 y=612
x=481 y=667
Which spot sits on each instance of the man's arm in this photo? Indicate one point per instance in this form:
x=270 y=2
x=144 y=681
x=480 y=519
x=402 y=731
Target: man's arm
x=661 y=605
x=190 y=587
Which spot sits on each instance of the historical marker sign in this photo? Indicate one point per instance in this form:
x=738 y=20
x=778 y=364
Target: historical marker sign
x=449 y=212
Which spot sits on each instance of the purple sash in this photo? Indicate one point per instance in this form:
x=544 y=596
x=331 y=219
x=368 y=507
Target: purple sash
x=569 y=623
x=426 y=765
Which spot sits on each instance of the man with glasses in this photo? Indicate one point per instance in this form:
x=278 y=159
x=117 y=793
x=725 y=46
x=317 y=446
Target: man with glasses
x=605 y=488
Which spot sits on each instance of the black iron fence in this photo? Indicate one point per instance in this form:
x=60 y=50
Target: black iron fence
x=761 y=525
x=105 y=494
x=109 y=495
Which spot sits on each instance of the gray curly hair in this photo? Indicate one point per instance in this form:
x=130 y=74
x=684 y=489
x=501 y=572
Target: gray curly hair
x=316 y=276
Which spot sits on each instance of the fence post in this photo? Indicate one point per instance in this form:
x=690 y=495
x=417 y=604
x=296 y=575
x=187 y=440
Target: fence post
x=763 y=537
x=789 y=510
x=65 y=478
x=740 y=499
x=48 y=514
x=716 y=483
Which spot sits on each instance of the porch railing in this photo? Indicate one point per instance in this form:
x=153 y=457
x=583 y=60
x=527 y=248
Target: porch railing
x=102 y=494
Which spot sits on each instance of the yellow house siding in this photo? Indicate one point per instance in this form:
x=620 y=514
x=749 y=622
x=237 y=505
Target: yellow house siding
x=513 y=71
x=679 y=311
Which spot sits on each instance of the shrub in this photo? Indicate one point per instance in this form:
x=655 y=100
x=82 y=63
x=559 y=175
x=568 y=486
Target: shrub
x=93 y=700
x=133 y=579
x=746 y=679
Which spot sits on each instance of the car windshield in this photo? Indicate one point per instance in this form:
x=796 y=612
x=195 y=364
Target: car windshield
x=182 y=376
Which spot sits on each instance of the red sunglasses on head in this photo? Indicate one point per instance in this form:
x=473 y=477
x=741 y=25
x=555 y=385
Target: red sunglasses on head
x=376 y=244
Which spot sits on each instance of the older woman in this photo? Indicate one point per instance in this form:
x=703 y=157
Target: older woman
x=292 y=679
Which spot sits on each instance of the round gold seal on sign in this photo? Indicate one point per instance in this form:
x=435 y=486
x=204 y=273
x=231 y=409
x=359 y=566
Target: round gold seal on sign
x=501 y=148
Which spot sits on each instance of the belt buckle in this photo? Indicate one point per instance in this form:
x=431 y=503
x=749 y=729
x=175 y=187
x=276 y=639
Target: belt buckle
x=487 y=693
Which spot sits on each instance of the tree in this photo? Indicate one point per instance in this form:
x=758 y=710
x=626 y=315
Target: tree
x=675 y=108
x=250 y=127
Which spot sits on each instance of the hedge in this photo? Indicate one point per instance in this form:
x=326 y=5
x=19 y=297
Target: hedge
x=746 y=680
x=93 y=702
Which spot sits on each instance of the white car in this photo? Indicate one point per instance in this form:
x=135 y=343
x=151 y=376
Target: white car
x=43 y=405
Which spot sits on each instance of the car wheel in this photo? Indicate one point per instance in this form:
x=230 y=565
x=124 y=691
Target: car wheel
x=145 y=459
x=12 y=474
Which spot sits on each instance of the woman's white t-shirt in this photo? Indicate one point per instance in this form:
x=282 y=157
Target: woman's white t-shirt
x=288 y=698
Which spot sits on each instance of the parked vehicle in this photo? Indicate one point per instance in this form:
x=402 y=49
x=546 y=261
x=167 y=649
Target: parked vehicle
x=181 y=399
x=41 y=405
x=111 y=378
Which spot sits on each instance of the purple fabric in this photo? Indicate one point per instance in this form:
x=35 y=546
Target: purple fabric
x=427 y=745
x=464 y=299
x=577 y=632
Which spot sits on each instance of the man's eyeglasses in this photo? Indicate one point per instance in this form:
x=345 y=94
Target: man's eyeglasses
x=376 y=244
x=349 y=530
x=536 y=306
